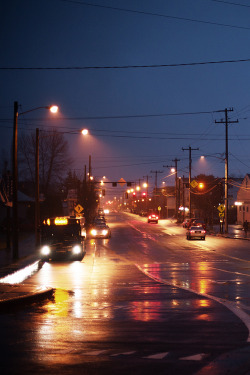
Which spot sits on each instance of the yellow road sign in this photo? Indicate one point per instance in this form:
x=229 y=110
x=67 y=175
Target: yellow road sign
x=221 y=214
x=194 y=184
x=78 y=208
x=221 y=208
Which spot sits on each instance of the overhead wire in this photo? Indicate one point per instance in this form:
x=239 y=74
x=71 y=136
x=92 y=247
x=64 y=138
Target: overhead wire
x=125 y=66
x=154 y=14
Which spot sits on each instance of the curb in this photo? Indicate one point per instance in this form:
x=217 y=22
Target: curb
x=27 y=298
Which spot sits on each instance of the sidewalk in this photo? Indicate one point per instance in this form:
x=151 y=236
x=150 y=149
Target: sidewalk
x=234 y=231
x=12 y=274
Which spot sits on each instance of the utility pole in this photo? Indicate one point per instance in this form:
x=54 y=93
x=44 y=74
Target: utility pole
x=190 y=149
x=176 y=185
x=226 y=122
x=15 y=186
x=156 y=173
x=90 y=168
x=37 y=193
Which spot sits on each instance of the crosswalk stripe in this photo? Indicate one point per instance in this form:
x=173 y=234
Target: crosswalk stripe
x=157 y=356
x=196 y=357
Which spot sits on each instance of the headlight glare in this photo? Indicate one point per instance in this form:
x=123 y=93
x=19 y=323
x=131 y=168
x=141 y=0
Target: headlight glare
x=45 y=250
x=76 y=249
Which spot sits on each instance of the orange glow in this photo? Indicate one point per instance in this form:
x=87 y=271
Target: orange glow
x=53 y=108
x=85 y=132
x=61 y=221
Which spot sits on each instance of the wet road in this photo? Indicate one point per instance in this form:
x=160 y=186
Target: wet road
x=145 y=300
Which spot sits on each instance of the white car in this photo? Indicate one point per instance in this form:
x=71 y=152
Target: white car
x=100 y=231
x=196 y=232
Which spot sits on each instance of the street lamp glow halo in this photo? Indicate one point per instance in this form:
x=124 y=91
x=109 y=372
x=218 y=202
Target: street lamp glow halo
x=53 y=108
x=85 y=132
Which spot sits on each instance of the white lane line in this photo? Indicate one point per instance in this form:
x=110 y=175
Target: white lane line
x=95 y=352
x=124 y=353
x=196 y=357
x=157 y=356
x=232 y=306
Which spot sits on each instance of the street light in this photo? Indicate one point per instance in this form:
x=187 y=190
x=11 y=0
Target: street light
x=85 y=132
x=53 y=109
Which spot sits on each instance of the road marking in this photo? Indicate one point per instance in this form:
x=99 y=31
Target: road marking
x=124 y=353
x=95 y=352
x=157 y=356
x=232 y=306
x=196 y=357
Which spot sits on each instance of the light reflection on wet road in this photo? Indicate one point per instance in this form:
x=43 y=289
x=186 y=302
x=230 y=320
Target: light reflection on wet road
x=107 y=303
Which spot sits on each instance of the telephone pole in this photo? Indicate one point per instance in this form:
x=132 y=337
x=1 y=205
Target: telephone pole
x=190 y=149
x=176 y=185
x=156 y=173
x=226 y=122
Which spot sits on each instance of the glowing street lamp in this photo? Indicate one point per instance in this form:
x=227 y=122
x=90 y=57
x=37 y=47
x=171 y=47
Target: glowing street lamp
x=85 y=132
x=53 y=109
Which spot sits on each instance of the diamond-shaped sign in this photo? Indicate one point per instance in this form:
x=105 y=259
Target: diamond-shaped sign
x=194 y=184
x=122 y=182
x=221 y=208
x=78 y=208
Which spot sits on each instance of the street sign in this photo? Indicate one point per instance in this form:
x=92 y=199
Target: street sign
x=194 y=184
x=159 y=208
x=221 y=214
x=122 y=182
x=221 y=208
x=78 y=208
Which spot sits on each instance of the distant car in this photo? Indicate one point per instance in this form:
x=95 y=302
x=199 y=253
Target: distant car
x=153 y=218
x=185 y=223
x=196 y=232
x=100 y=230
x=197 y=222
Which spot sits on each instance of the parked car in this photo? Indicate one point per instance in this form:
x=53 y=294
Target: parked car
x=153 y=218
x=197 y=222
x=100 y=230
x=196 y=232
x=185 y=223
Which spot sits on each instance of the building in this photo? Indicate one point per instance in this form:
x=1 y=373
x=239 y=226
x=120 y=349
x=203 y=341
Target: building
x=243 y=201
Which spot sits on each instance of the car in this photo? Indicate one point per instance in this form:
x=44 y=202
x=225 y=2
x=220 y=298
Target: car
x=153 y=218
x=196 y=232
x=100 y=230
x=185 y=223
x=196 y=221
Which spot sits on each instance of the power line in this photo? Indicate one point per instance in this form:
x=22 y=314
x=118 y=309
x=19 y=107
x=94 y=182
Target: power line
x=125 y=66
x=229 y=3
x=154 y=14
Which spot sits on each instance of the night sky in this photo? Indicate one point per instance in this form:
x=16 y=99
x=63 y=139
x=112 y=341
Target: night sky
x=128 y=71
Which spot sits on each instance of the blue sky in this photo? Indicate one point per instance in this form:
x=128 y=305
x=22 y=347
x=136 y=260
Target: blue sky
x=139 y=119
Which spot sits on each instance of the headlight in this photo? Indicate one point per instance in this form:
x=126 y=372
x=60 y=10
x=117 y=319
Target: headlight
x=76 y=249
x=105 y=232
x=94 y=232
x=45 y=250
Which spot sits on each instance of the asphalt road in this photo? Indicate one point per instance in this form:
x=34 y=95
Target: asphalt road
x=146 y=300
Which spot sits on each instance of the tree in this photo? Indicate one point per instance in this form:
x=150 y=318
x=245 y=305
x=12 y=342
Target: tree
x=54 y=160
